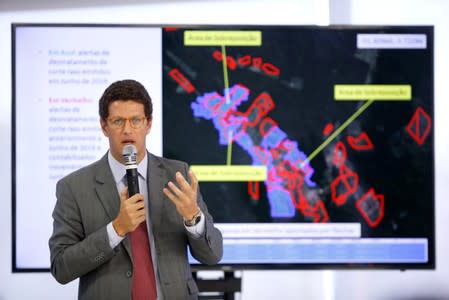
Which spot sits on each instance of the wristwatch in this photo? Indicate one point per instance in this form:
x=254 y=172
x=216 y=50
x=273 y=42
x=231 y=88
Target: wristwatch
x=194 y=220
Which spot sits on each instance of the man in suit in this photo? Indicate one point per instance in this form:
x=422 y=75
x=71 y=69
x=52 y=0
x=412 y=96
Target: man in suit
x=99 y=232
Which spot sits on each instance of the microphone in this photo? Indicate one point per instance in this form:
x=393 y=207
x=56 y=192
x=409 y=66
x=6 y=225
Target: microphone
x=129 y=154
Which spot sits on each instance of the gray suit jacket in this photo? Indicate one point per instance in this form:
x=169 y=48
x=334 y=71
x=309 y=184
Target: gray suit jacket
x=87 y=200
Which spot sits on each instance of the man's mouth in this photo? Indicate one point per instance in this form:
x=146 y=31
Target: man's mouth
x=125 y=142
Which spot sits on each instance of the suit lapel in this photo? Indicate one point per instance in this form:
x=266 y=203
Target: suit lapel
x=155 y=175
x=108 y=196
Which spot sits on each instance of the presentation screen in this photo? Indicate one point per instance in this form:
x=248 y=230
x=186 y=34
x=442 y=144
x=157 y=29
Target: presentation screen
x=314 y=146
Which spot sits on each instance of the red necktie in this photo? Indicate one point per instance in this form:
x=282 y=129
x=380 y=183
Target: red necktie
x=144 y=283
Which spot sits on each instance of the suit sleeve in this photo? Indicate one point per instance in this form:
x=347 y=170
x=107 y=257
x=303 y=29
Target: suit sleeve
x=208 y=249
x=72 y=253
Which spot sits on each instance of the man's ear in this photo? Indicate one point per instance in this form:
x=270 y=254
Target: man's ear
x=104 y=127
x=149 y=123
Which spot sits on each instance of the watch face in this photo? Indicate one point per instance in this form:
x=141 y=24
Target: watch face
x=195 y=220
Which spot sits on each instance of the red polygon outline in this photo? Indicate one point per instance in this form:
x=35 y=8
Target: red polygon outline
x=361 y=142
x=181 y=80
x=415 y=120
x=380 y=199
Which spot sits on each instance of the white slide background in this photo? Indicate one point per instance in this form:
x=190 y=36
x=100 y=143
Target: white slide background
x=61 y=73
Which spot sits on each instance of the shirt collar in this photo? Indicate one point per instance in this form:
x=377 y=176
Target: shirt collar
x=118 y=169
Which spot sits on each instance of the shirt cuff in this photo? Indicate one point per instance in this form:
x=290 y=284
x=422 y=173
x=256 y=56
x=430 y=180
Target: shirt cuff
x=114 y=238
x=197 y=230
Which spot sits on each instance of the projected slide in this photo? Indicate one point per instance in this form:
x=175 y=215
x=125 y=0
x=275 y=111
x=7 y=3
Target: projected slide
x=296 y=127
x=314 y=146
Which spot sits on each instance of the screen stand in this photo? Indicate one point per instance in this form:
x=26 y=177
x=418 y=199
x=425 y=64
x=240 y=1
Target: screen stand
x=219 y=288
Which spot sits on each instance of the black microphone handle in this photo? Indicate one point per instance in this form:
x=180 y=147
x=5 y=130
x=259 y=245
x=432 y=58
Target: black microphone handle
x=132 y=177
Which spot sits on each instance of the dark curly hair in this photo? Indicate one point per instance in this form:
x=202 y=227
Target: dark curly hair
x=125 y=90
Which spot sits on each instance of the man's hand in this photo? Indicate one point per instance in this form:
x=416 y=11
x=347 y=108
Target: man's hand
x=184 y=195
x=131 y=213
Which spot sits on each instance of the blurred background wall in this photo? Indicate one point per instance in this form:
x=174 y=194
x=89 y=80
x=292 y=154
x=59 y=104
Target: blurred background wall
x=326 y=284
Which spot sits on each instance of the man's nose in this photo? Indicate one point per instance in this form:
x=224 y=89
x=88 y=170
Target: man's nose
x=127 y=126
